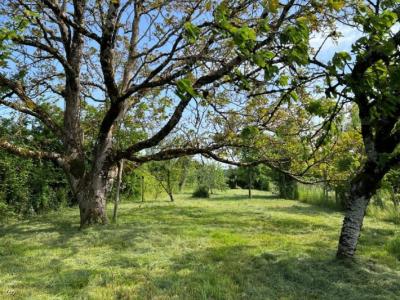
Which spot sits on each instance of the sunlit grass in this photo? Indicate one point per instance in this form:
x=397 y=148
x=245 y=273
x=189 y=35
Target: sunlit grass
x=226 y=247
x=314 y=194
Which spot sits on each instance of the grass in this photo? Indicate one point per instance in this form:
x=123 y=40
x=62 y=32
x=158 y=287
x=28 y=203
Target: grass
x=226 y=247
x=388 y=213
x=314 y=194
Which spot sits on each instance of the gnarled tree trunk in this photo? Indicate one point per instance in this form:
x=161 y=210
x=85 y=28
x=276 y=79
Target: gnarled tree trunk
x=92 y=200
x=93 y=188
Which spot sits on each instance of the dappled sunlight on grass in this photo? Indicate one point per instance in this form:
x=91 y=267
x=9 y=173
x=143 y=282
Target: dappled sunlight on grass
x=226 y=247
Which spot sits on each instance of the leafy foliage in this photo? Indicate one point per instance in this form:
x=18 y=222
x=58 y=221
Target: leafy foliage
x=201 y=192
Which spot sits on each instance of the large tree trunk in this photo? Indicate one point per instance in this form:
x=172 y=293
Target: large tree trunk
x=93 y=191
x=362 y=187
x=92 y=201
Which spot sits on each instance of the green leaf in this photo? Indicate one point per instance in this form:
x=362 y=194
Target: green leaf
x=273 y=5
x=185 y=88
x=264 y=25
x=283 y=80
x=259 y=60
x=270 y=71
x=294 y=95
x=340 y=58
x=243 y=35
x=192 y=32
x=336 y=4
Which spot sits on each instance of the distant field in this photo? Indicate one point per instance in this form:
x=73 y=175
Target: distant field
x=227 y=247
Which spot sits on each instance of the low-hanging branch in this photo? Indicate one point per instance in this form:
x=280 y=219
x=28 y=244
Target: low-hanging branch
x=35 y=154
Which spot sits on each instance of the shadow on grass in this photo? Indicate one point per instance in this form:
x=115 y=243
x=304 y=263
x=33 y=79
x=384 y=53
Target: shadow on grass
x=212 y=272
x=375 y=237
x=241 y=197
x=235 y=273
x=305 y=209
x=181 y=218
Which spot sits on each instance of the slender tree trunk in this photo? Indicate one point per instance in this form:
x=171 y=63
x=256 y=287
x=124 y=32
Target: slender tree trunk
x=362 y=187
x=171 y=197
x=142 y=187
x=182 y=180
x=250 y=182
x=118 y=188
x=326 y=190
x=169 y=186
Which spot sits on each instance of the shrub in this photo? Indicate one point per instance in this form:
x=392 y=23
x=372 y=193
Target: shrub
x=201 y=192
x=5 y=212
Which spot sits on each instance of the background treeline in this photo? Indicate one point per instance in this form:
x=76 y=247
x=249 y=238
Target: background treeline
x=30 y=186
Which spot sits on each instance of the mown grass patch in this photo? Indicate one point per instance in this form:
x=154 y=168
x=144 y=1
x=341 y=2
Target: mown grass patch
x=226 y=247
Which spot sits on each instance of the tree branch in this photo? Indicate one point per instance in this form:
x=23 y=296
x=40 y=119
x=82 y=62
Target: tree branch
x=31 y=107
x=35 y=154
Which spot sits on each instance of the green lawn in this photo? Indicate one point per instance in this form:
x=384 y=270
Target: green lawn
x=227 y=247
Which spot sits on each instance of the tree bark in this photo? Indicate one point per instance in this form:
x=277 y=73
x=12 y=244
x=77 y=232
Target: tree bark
x=362 y=187
x=92 y=198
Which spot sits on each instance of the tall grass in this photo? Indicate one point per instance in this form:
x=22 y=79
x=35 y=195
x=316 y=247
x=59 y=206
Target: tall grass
x=382 y=207
x=393 y=247
x=314 y=194
x=388 y=212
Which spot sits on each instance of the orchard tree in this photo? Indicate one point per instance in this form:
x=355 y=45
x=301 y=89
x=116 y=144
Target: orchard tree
x=368 y=76
x=161 y=63
x=248 y=135
x=167 y=174
x=210 y=176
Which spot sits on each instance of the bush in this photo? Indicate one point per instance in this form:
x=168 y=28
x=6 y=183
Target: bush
x=5 y=212
x=201 y=192
x=287 y=186
x=393 y=247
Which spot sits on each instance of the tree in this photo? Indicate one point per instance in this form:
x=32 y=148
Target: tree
x=126 y=58
x=186 y=166
x=369 y=77
x=167 y=174
x=211 y=177
x=248 y=135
